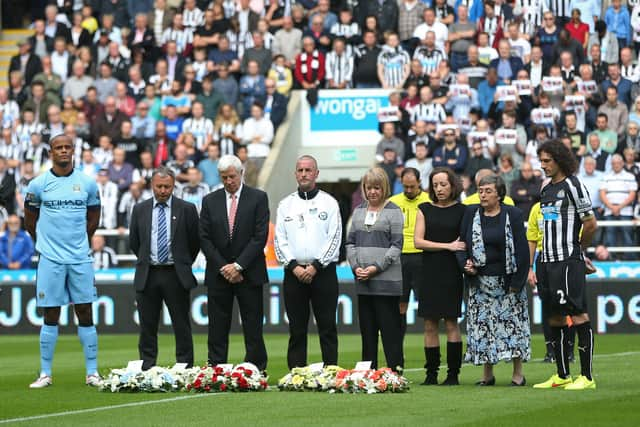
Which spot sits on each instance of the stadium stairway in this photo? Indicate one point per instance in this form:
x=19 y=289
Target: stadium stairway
x=9 y=47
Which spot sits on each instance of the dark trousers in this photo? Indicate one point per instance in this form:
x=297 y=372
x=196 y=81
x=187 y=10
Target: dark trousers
x=220 y=310
x=322 y=293
x=163 y=286
x=380 y=315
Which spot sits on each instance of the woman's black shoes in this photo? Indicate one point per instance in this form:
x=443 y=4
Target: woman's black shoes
x=451 y=380
x=520 y=384
x=484 y=383
x=431 y=379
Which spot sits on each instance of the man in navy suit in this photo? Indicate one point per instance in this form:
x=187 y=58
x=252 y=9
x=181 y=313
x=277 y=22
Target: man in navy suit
x=506 y=64
x=275 y=104
x=164 y=236
x=234 y=224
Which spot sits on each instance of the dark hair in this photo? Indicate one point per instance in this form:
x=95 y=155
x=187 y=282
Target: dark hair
x=561 y=155
x=410 y=171
x=454 y=181
x=570 y=113
x=496 y=180
x=603 y=115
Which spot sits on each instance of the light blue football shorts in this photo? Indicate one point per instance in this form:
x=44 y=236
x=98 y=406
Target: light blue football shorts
x=61 y=284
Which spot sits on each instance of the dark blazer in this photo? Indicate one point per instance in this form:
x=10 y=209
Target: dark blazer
x=514 y=61
x=85 y=38
x=250 y=232
x=48 y=41
x=518 y=279
x=545 y=68
x=184 y=240
x=148 y=40
x=278 y=109
x=8 y=192
x=34 y=66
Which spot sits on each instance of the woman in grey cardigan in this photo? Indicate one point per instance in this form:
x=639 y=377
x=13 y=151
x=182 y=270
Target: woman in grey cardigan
x=374 y=244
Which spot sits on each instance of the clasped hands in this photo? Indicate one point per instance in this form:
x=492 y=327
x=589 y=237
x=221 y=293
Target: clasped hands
x=366 y=273
x=230 y=274
x=305 y=274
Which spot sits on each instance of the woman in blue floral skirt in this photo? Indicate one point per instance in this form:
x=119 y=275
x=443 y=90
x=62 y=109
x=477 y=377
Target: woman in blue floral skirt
x=496 y=266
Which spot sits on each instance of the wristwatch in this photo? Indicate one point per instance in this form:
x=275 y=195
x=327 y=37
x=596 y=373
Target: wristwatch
x=237 y=266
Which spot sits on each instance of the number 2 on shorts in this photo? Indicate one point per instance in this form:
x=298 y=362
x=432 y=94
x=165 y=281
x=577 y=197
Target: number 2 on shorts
x=562 y=300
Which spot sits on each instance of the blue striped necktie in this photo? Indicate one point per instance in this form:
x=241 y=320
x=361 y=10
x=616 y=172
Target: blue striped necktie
x=163 y=247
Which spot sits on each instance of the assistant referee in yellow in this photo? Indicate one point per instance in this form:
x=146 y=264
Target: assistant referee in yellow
x=408 y=201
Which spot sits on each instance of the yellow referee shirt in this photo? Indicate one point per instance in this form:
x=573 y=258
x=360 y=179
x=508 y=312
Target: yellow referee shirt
x=410 y=211
x=474 y=199
x=535 y=226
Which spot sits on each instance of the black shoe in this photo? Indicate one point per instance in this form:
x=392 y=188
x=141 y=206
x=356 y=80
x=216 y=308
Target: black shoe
x=431 y=379
x=520 y=384
x=549 y=358
x=484 y=383
x=451 y=380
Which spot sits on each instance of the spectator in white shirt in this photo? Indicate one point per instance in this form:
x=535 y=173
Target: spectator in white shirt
x=258 y=134
x=430 y=24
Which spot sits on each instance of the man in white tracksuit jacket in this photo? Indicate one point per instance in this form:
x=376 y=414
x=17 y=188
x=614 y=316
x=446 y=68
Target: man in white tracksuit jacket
x=308 y=238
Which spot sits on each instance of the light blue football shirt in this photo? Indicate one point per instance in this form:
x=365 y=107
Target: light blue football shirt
x=62 y=225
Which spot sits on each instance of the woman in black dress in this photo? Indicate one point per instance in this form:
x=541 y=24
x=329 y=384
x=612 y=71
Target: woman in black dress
x=437 y=234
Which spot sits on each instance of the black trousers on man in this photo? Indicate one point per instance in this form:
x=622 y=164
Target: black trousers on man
x=220 y=311
x=163 y=286
x=379 y=314
x=322 y=293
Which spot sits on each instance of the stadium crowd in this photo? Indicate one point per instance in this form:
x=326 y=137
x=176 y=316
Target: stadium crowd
x=474 y=85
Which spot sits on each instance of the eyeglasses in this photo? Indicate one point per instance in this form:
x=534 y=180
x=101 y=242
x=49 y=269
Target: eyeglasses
x=270 y=87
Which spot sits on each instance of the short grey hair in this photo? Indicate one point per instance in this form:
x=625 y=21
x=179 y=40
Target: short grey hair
x=229 y=161
x=164 y=172
x=496 y=180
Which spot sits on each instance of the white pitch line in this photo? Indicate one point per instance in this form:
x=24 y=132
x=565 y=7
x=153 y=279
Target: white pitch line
x=106 y=408
x=195 y=396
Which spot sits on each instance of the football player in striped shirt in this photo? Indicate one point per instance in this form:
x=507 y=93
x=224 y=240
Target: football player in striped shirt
x=566 y=209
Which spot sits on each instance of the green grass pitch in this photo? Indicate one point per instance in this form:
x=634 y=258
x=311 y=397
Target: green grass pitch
x=614 y=403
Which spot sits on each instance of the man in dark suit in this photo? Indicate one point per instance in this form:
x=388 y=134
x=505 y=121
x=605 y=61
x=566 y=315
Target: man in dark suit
x=234 y=223
x=164 y=236
x=26 y=62
x=275 y=104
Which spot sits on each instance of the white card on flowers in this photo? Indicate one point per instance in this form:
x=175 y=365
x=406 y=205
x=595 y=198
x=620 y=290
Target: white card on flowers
x=363 y=366
x=134 y=366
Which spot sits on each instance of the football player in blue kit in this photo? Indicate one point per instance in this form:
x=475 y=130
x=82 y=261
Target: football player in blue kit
x=62 y=211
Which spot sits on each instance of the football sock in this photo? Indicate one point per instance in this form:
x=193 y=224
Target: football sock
x=571 y=339
x=585 y=347
x=559 y=342
x=403 y=326
x=48 y=340
x=89 y=340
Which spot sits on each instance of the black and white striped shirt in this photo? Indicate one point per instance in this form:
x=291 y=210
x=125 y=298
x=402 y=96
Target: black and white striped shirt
x=429 y=113
x=104 y=259
x=229 y=7
x=181 y=37
x=24 y=131
x=394 y=61
x=532 y=13
x=338 y=68
x=11 y=150
x=630 y=72
x=561 y=9
x=491 y=27
x=564 y=205
x=192 y=18
x=201 y=129
x=347 y=31
x=430 y=60
x=227 y=145
x=37 y=154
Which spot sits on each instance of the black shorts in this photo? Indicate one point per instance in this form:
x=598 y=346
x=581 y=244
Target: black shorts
x=411 y=275
x=562 y=287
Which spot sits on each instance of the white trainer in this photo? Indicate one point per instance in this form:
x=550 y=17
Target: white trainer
x=43 y=381
x=94 y=380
